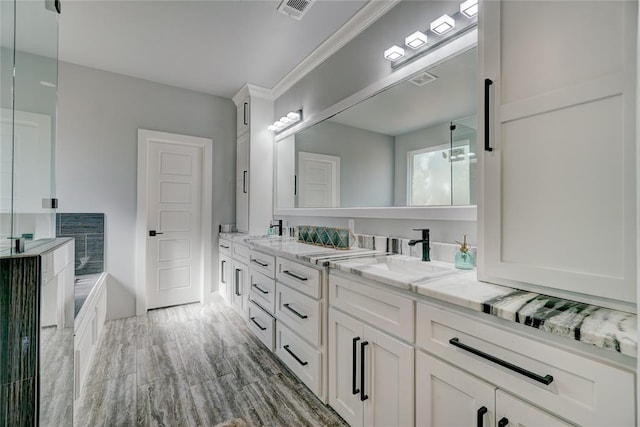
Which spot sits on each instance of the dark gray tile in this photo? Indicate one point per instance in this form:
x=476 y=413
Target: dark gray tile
x=221 y=399
x=17 y=403
x=81 y=223
x=166 y=402
x=108 y=403
x=118 y=360
x=158 y=362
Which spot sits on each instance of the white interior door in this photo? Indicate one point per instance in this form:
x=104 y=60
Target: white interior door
x=173 y=257
x=319 y=180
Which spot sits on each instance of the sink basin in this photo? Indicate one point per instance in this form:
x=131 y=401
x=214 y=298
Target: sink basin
x=405 y=266
x=401 y=268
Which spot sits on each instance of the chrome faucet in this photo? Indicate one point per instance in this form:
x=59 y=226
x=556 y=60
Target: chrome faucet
x=424 y=241
x=278 y=224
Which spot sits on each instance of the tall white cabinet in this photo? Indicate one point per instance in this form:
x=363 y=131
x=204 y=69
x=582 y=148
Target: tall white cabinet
x=557 y=108
x=254 y=159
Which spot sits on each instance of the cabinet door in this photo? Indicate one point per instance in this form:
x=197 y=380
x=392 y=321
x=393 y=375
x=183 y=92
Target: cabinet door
x=511 y=411
x=556 y=120
x=242 y=183
x=389 y=380
x=447 y=396
x=225 y=283
x=242 y=117
x=345 y=338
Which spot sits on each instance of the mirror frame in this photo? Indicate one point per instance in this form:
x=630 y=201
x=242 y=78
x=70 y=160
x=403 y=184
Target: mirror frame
x=457 y=46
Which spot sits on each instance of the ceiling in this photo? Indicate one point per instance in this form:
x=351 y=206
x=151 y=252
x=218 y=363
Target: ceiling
x=406 y=107
x=210 y=46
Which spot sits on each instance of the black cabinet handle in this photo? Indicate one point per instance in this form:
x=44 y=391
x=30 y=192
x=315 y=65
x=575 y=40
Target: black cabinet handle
x=262 y=328
x=244 y=182
x=238 y=282
x=481 y=413
x=244 y=118
x=503 y=422
x=363 y=396
x=354 y=389
x=154 y=233
x=287 y=272
x=255 y=285
x=295 y=185
x=487 y=110
x=224 y=247
x=546 y=380
x=260 y=263
x=303 y=363
x=222 y=263
x=297 y=313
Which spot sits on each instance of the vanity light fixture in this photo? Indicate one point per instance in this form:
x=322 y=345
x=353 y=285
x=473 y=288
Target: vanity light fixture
x=443 y=24
x=416 y=40
x=469 y=8
x=394 y=53
x=286 y=121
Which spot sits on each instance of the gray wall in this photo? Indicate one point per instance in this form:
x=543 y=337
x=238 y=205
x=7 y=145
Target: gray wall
x=366 y=161
x=428 y=137
x=99 y=114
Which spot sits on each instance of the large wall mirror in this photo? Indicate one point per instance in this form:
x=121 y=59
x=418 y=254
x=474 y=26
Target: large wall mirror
x=413 y=144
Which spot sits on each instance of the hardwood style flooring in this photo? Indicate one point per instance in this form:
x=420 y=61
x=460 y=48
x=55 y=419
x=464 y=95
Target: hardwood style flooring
x=193 y=365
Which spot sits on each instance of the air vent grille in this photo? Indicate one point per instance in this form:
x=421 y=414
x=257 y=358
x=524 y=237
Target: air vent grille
x=422 y=79
x=295 y=8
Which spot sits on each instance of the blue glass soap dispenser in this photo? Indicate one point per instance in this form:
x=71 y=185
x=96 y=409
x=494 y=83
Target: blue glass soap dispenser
x=464 y=258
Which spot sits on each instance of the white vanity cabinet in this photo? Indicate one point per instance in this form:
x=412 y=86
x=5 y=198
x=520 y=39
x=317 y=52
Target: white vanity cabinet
x=254 y=160
x=58 y=277
x=233 y=283
x=557 y=210
x=371 y=372
x=240 y=288
x=225 y=283
x=464 y=364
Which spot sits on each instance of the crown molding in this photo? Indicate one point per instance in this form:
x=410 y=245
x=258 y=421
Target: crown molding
x=366 y=16
x=254 y=91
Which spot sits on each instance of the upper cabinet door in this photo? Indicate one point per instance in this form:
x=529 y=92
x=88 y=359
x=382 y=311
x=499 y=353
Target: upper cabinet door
x=557 y=206
x=242 y=184
x=242 y=116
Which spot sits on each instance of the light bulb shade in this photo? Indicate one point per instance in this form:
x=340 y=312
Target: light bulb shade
x=469 y=8
x=293 y=116
x=416 y=40
x=279 y=124
x=443 y=24
x=394 y=53
x=272 y=128
x=286 y=120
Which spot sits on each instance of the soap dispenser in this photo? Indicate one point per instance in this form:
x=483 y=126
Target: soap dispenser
x=464 y=258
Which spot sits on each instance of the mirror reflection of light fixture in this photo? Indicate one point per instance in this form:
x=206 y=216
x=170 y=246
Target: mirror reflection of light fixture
x=286 y=121
x=469 y=8
x=443 y=24
x=394 y=53
x=416 y=40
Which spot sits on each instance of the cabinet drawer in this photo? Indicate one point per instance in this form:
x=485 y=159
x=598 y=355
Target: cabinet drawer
x=387 y=311
x=300 y=277
x=262 y=324
x=240 y=252
x=303 y=359
x=266 y=264
x=263 y=290
x=301 y=313
x=582 y=390
x=224 y=246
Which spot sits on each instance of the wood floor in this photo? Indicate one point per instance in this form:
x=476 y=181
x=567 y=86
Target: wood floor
x=193 y=365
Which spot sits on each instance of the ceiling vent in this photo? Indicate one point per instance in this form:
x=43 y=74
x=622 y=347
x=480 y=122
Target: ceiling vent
x=422 y=79
x=295 y=8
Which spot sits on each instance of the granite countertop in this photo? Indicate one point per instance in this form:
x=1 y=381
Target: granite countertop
x=601 y=327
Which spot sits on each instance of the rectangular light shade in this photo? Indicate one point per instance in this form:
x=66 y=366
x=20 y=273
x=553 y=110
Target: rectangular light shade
x=469 y=8
x=416 y=40
x=443 y=24
x=394 y=53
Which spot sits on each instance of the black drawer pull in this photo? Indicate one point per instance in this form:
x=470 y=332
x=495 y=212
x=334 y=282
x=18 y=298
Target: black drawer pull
x=297 y=313
x=224 y=247
x=255 y=285
x=354 y=389
x=503 y=422
x=294 y=275
x=260 y=263
x=546 y=380
x=487 y=119
x=481 y=413
x=262 y=328
x=363 y=396
x=303 y=363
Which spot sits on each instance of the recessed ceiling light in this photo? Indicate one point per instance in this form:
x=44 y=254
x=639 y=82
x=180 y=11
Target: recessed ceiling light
x=416 y=40
x=469 y=8
x=443 y=24
x=394 y=53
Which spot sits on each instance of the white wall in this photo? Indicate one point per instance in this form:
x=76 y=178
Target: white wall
x=99 y=114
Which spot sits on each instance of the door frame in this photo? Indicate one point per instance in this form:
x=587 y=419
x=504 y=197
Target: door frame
x=206 y=144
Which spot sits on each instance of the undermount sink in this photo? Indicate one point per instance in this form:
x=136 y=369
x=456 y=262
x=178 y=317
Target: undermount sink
x=406 y=267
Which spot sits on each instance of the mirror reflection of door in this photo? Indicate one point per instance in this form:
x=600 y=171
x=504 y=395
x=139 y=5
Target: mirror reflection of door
x=319 y=177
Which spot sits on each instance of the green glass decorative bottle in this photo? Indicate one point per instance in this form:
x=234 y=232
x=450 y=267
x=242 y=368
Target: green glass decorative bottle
x=464 y=258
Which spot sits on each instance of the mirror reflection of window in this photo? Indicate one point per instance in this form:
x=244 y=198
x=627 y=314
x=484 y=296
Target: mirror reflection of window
x=429 y=176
